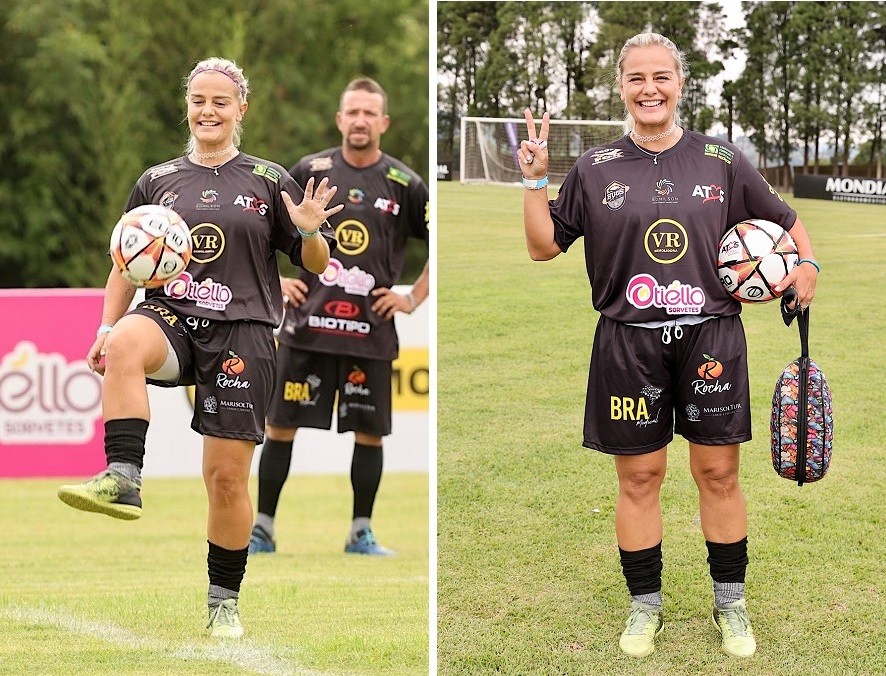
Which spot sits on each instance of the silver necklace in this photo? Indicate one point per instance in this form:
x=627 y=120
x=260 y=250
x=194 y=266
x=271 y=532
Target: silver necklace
x=654 y=156
x=653 y=137
x=217 y=153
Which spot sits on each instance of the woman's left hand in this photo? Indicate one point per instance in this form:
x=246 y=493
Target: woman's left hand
x=310 y=214
x=803 y=278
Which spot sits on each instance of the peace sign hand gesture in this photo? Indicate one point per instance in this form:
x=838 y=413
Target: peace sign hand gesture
x=533 y=153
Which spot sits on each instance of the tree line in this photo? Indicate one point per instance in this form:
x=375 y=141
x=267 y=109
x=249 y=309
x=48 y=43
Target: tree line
x=813 y=78
x=93 y=94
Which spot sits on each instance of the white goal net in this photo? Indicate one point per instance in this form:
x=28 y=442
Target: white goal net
x=489 y=146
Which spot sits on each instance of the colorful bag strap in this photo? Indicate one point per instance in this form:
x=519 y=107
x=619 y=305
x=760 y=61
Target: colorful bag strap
x=787 y=314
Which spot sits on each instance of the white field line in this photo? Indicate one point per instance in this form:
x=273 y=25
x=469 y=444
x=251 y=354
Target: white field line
x=244 y=654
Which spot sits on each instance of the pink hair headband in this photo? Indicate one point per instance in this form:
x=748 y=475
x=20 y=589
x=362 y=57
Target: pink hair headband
x=227 y=75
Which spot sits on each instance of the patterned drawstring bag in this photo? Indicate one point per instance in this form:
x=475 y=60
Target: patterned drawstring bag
x=802 y=423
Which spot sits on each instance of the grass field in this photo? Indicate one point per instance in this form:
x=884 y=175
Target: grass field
x=528 y=574
x=84 y=594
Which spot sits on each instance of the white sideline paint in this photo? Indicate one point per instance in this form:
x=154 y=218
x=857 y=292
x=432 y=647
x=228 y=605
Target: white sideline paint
x=243 y=654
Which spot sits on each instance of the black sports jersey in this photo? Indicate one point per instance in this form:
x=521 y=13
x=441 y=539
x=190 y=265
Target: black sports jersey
x=237 y=221
x=652 y=226
x=384 y=205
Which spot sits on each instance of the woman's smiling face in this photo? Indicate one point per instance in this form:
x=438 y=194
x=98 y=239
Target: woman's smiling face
x=213 y=109
x=650 y=86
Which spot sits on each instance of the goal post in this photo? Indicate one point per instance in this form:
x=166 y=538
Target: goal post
x=489 y=147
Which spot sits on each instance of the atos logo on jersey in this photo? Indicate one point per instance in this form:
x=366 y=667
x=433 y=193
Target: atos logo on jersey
x=387 y=206
x=709 y=193
x=342 y=308
x=252 y=203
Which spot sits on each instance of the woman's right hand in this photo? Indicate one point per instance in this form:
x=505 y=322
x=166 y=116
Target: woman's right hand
x=533 y=153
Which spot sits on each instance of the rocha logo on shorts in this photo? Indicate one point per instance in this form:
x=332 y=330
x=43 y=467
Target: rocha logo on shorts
x=232 y=366
x=355 y=384
x=709 y=372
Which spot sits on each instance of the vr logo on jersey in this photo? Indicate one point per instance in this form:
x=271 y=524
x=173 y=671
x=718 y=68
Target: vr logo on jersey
x=352 y=236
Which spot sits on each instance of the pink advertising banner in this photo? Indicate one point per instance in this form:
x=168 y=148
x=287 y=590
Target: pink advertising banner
x=50 y=402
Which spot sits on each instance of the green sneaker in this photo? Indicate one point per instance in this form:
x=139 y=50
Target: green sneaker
x=644 y=624
x=105 y=493
x=224 y=620
x=735 y=626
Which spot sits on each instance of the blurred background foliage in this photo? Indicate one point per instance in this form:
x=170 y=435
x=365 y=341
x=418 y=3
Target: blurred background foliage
x=92 y=94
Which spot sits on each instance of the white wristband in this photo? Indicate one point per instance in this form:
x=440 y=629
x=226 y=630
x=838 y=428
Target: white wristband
x=104 y=328
x=535 y=185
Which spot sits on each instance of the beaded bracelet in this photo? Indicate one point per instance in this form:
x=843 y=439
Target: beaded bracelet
x=412 y=302
x=809 y=260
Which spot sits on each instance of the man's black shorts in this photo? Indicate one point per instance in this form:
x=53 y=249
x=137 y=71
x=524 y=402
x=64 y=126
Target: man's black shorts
x=307 y=384
x=642 y=389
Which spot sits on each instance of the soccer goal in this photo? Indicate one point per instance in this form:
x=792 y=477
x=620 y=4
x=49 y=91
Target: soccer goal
x=489 y=146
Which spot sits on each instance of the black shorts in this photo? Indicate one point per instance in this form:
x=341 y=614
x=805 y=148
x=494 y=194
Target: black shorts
x=307 y=385
x=231 y=365
x=641 y=389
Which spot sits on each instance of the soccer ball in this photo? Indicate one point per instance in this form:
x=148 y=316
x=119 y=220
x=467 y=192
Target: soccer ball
x=754 y=256
x=150 y=245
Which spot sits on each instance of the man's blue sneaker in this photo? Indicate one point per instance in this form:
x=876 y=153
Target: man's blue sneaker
x=261 y=542
x=365 y=543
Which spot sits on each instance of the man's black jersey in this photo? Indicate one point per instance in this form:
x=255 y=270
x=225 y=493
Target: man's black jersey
x=237 y=221
x=652 y=226
x=385 y=204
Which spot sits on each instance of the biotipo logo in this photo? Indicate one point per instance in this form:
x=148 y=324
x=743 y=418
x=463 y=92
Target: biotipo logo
x=46 y=399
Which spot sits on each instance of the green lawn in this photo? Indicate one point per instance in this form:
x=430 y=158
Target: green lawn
x=528 y=574
x=82 y=593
